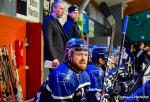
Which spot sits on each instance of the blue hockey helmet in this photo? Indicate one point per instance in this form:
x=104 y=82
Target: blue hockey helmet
x=75 y=44
x=99 y=51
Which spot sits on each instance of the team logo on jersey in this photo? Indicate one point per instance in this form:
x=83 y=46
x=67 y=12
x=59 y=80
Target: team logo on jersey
x=96 y=74
x=62 y=78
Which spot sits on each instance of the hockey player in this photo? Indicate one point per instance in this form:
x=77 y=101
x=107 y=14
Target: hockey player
x=96 y=74
x=68 y=82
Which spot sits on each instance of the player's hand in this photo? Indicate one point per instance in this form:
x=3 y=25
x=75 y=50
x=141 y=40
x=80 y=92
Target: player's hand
x=55 y=62
x=111 y=62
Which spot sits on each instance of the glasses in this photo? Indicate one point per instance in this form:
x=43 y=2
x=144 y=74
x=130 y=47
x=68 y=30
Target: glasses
x=81 y=54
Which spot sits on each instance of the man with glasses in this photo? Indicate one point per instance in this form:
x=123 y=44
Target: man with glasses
x=68 y=82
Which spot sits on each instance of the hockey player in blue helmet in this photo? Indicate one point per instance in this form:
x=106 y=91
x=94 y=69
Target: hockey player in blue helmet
x=99 y=55
x=68 y=82
x=96 y=74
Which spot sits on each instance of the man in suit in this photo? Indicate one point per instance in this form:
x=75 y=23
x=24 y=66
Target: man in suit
x=54 y=35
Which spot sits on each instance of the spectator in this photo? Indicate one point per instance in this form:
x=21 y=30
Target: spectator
x=71 y=28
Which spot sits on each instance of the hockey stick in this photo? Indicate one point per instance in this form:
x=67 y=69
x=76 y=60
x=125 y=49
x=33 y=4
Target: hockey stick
x=123 y=37
x=19 y=95
x=1 y=81
x=5 y=84
x=121 y=47
x=106 y=12
x=2 y=85
x=138 y=80
x=9 y=73
x=6 y=88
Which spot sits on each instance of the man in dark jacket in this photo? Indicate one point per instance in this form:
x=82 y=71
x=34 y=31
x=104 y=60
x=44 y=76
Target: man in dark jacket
x=71 y=28
x=54 y=35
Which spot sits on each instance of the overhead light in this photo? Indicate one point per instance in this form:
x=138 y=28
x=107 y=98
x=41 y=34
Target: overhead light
x=142 y=37
x=148 y=16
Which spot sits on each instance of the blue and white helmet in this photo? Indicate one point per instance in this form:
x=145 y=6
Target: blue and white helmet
x=75 y=44
x=99 y=51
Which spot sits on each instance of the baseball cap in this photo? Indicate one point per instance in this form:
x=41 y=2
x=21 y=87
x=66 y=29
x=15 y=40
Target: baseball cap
x=73 y=8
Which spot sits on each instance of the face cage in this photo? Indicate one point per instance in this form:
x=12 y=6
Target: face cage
x=69 y=52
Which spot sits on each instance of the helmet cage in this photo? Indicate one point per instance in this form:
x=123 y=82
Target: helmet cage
x=75 y=45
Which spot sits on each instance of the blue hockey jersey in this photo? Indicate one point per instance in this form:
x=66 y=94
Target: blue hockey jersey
x=97 y=80
x=63 y=84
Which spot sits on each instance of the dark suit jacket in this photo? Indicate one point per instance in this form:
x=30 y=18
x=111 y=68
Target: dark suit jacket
x=54 y=39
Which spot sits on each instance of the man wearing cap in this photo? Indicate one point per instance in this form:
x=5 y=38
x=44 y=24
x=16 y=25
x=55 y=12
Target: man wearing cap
x=70 y=27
